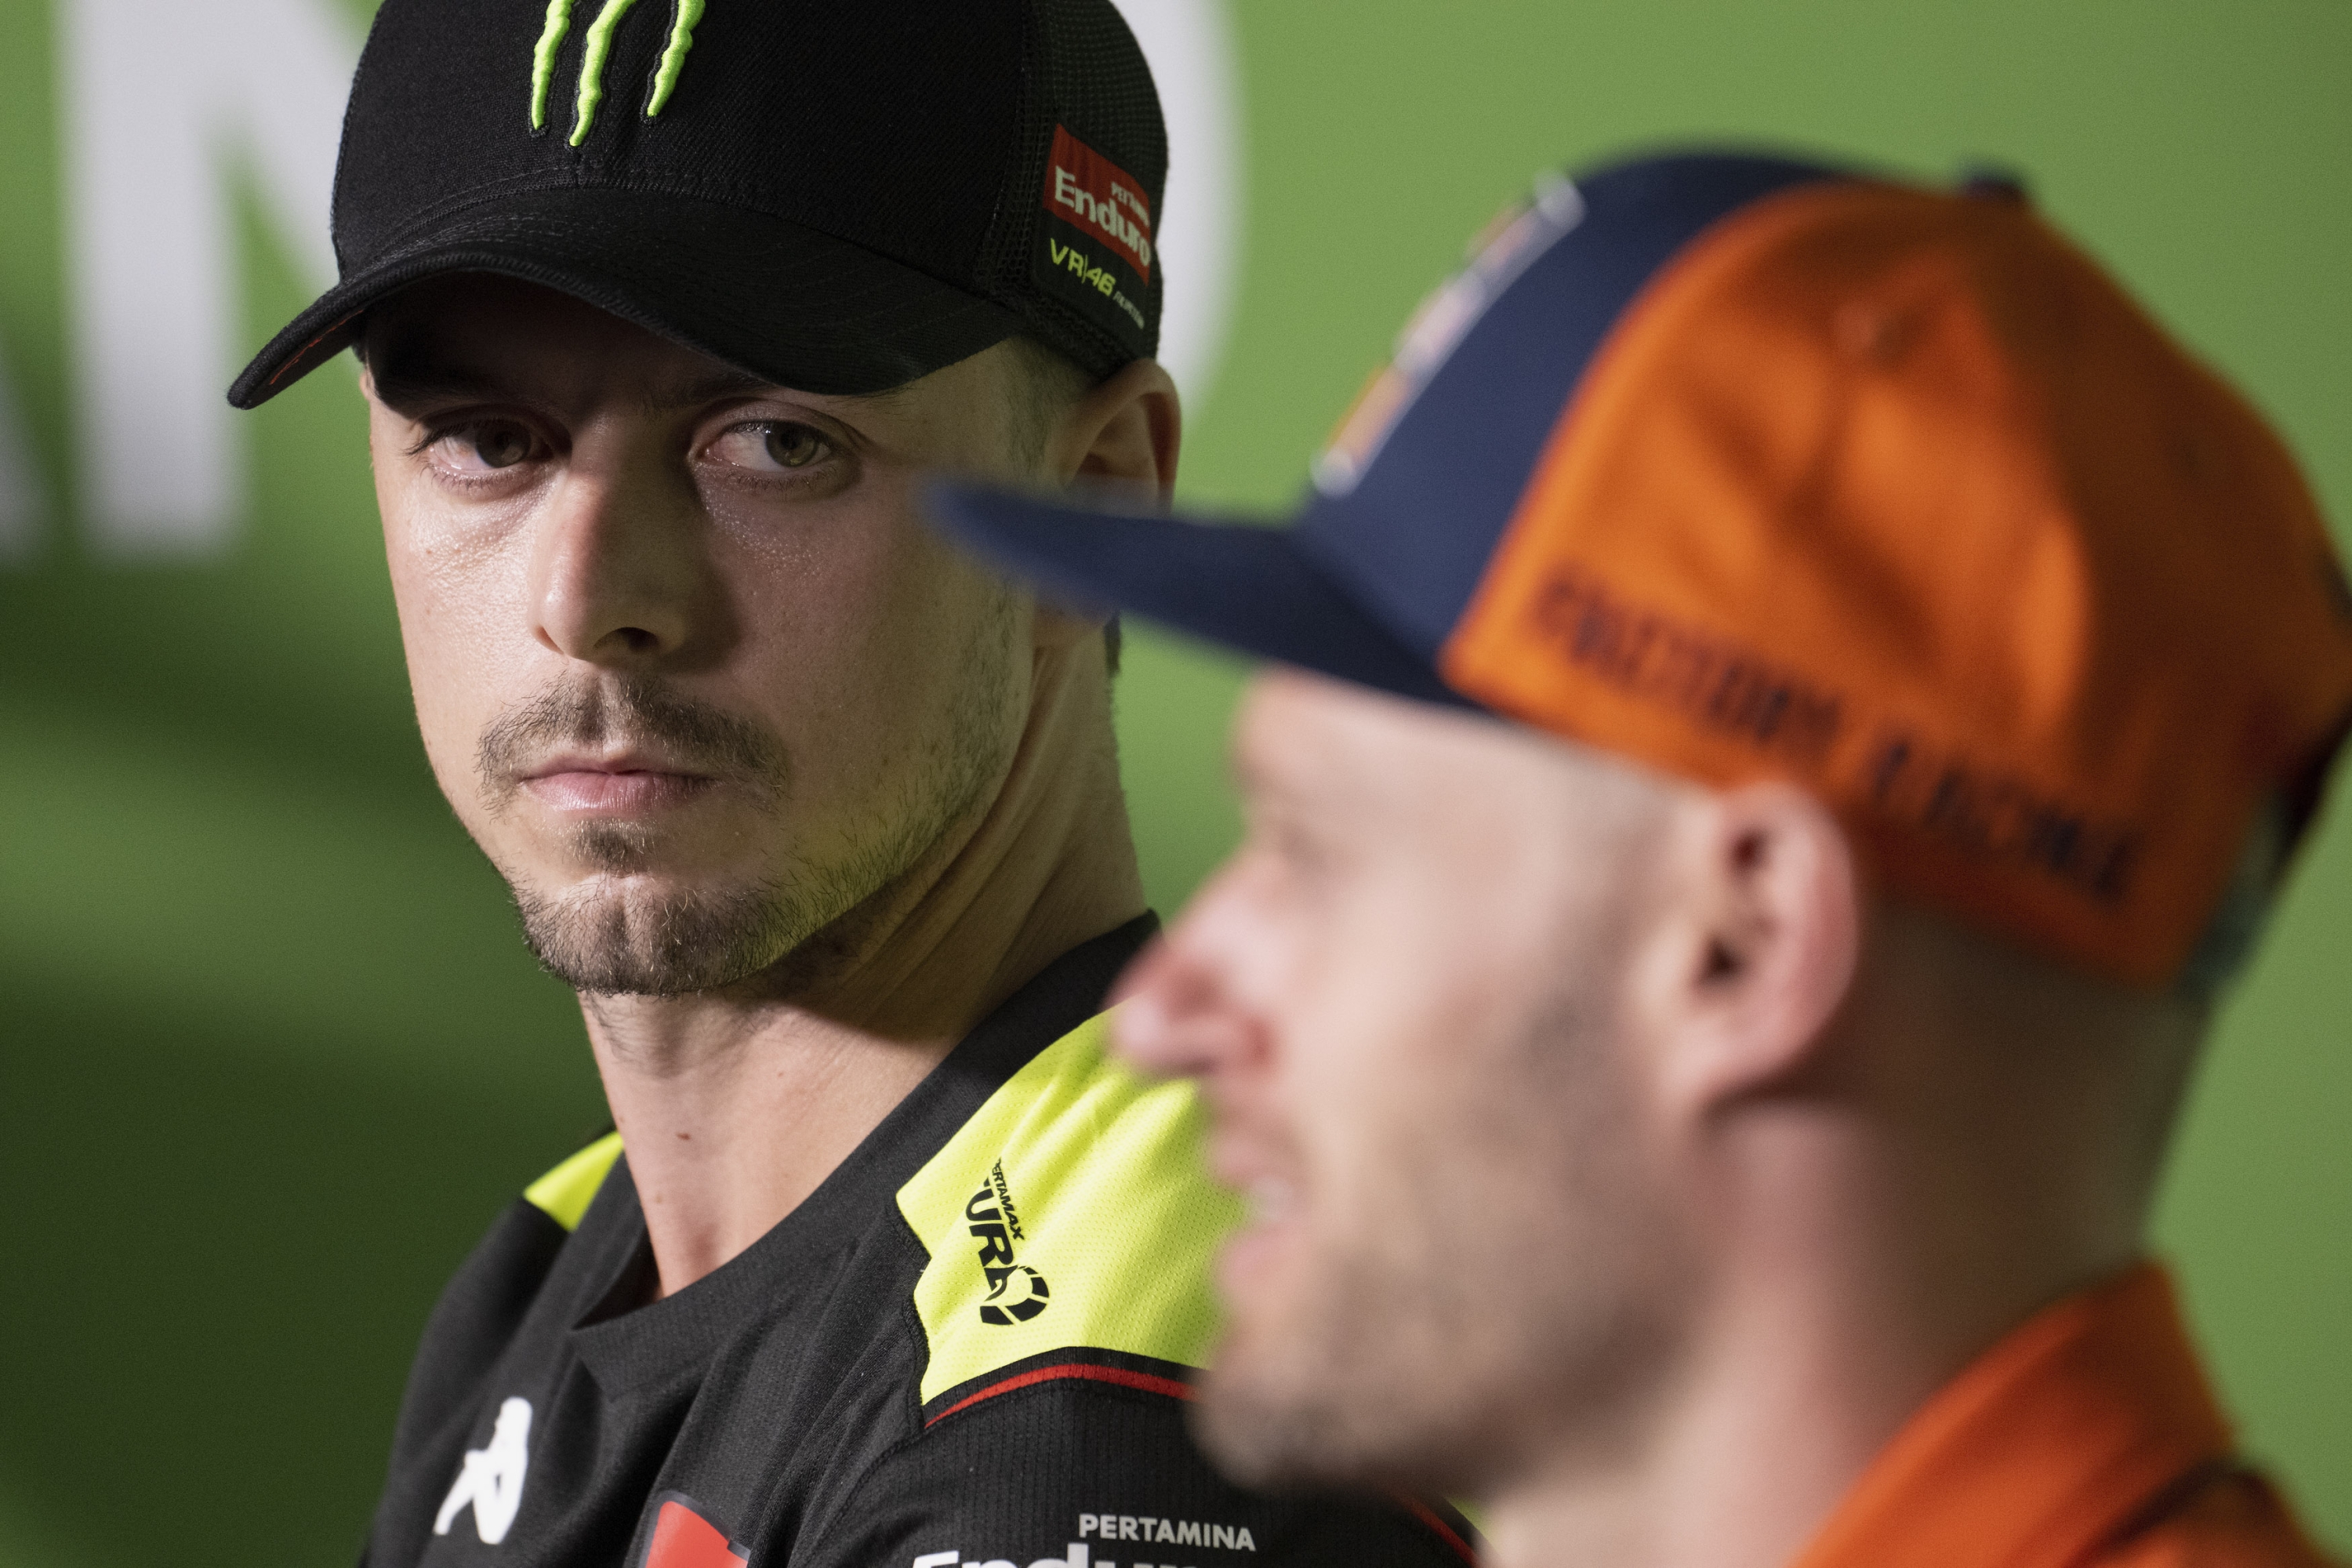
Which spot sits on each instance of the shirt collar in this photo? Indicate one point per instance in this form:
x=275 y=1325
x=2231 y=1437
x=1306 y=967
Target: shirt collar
x=2054 y=1443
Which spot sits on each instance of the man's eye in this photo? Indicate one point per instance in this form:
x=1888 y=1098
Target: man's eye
x=776 y=447
x=1293 y=852
x=484 y=448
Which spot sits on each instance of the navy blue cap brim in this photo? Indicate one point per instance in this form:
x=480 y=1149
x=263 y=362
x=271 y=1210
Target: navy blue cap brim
x=1244 y=587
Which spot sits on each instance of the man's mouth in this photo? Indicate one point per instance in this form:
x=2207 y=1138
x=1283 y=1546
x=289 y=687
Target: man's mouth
x=612 y=786
x=1268 y=1185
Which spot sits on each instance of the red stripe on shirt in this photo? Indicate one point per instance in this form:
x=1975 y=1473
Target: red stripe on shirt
x=1436 y=1522
x=1118 y=1375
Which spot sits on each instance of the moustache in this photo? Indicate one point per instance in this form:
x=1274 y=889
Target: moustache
x=630 y=711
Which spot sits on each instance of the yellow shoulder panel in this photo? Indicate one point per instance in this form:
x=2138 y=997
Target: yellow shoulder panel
x=564 y=1194
x=1072 y=1211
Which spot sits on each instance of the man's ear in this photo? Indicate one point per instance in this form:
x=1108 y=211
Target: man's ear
x=1765 y=950
x=1126 y=431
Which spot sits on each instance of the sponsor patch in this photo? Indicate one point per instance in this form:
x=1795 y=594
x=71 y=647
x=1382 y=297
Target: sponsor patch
x=1974 y=808
x=1175 y=1531
x=1096 y=253
x=1086 y=190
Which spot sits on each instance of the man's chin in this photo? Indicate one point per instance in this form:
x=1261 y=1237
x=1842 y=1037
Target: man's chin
x=1337 y=1383
x=1260 y=1432
x=1288 y=1432
x=1268 y=1412
x=648 y=935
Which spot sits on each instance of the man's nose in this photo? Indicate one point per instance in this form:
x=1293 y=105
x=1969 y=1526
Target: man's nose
x=621 y=573
x=1178 y=1014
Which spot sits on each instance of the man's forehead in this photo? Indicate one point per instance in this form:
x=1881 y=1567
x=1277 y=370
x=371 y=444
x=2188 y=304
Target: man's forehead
x=1312 y=736
x=1327 y=741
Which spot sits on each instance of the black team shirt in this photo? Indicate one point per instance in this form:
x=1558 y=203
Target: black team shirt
x=968 y=1349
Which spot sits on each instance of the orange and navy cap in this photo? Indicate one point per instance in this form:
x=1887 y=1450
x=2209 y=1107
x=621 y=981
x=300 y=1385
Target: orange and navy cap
x=1745 y=468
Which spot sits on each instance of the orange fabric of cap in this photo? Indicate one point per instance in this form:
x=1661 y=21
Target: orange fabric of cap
x=1894 y=494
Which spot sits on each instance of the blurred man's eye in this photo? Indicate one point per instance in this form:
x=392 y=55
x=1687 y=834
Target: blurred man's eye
x=1293 y=849
x=772 y=446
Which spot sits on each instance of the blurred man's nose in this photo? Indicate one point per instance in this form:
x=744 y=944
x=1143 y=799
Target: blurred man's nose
x=1179 y=1013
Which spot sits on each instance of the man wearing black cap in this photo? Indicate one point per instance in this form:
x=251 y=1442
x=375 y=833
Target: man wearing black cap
x=663 y=311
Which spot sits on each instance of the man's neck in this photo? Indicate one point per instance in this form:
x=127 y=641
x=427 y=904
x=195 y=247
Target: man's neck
x=1773 y=1419
x=735 y=1106
x=1887 y=1263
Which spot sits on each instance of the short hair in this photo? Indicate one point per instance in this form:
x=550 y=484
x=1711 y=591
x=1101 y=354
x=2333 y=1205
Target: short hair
x=1052 y=383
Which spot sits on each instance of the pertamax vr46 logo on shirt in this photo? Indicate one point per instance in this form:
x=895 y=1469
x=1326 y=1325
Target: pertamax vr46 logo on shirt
x=1016 y=1293
x=1078 y=1171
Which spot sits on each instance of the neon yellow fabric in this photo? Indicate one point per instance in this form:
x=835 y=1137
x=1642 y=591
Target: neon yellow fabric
x=1072 y=1211
x=592 y=56
x=564 y=1194
x=673 y=60
x=542 y=57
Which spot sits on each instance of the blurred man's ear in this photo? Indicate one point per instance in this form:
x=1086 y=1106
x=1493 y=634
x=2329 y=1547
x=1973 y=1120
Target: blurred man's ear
x=1761 y=945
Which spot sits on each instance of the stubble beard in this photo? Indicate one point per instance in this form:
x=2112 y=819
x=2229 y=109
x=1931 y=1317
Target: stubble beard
x=615 y=934
x=1500 y=1290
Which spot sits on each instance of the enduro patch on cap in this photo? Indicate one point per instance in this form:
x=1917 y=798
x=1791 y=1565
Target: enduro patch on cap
x=1096 y=252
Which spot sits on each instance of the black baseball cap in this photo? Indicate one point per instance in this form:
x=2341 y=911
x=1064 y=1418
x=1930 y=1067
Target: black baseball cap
x=836 y=196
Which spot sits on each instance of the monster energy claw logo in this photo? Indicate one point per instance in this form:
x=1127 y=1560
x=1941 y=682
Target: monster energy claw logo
x=593 y=57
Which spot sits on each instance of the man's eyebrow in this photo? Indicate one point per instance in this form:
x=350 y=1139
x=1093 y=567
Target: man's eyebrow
x=728 y=383
x=403 y=381
x=1254 y=775
x=717 y=387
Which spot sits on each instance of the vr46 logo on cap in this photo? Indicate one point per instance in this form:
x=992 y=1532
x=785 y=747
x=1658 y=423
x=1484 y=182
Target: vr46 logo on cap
x=598 y=49
x=1096 y=254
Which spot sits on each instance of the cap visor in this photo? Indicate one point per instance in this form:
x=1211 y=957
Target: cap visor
x=1248 y=588
x=786 y=303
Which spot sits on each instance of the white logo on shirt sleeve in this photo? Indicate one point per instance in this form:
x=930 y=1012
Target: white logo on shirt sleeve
x=1077 y=1559
x=491 y=1479
x=1115 y=1527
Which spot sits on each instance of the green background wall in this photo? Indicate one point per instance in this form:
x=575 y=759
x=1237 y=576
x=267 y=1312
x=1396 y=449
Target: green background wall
x=271 y=1055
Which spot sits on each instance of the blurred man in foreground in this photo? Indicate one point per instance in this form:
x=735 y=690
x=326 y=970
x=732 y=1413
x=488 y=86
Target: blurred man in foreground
x=1710 y=1115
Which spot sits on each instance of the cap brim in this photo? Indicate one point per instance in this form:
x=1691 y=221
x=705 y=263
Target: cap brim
x=1252 y=589
x=786 y=303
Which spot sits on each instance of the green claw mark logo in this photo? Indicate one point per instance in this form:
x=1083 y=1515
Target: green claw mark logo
x=593 y=57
